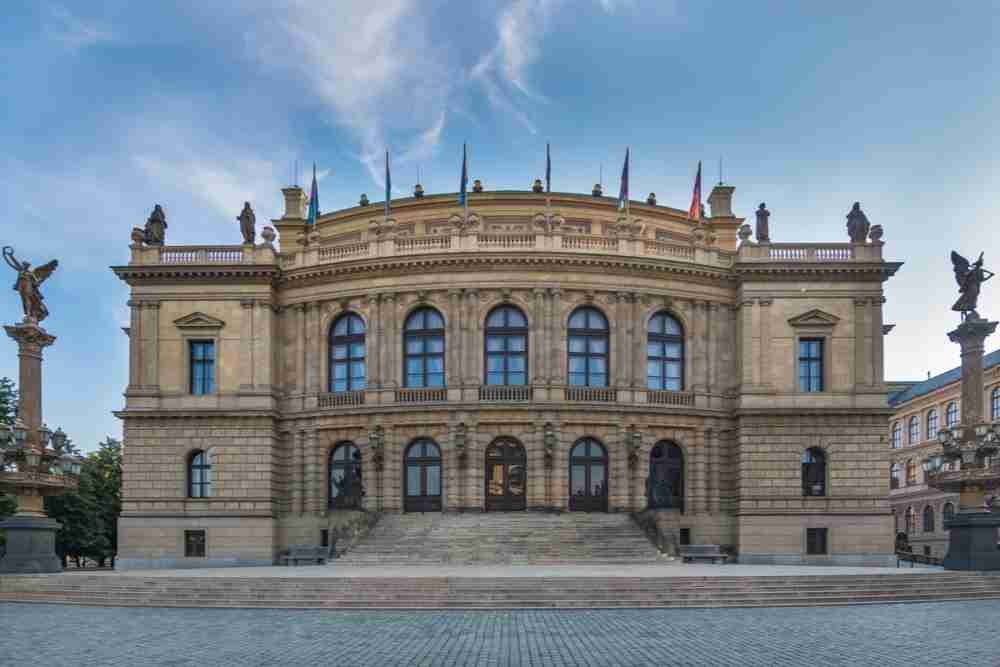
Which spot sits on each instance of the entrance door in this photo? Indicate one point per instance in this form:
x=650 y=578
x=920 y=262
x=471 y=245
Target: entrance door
x=506 y=478
x=422 y=477
x=588 y=477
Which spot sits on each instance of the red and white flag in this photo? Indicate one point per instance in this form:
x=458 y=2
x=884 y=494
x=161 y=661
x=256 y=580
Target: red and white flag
x=695 y=211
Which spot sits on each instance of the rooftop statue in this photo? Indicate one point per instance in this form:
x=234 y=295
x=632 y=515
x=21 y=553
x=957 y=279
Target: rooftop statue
x=28 y=282
x=763 y=229
x=156 y=226
x=969 y=278
x=248 y=224
x=857 y=224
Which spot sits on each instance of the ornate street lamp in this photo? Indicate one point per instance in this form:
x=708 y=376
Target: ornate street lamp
x=20 y=432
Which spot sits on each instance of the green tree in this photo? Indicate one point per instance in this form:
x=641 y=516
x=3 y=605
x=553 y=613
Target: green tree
x=8 y=411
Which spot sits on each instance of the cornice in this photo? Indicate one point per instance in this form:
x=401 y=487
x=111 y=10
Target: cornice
x=169 y=274
x=796 y=270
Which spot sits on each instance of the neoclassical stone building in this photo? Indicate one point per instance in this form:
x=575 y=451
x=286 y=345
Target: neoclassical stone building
x=920 y=410
x=542 y=353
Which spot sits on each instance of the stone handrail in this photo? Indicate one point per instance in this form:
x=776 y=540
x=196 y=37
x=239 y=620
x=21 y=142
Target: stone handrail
x=810 y=252
x=193 y=255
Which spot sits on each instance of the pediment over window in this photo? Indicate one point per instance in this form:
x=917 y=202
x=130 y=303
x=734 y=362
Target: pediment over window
x=199 y=321
x=814 y=318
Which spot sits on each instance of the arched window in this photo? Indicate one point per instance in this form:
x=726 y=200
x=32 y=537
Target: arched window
x=666 y=476
x=895 y=475
x=199 y=475
x=814 y=472
x=928 y=519
x=422 y=477
x=344 y=476
x=951 y=415
x=911 y=521
x=506 y=346
x=588 y=348
x=932 y=424
x=588 y=476
x=995 y=404
x=347 y=354
x=913 y=432
x=911 y=472
x=664 y=353
x=423 y=349
x=897 y=436
x=948 y=513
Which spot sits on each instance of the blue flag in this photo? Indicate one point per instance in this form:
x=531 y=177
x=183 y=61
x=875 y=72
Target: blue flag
x=548 y=169
x=465 y=177
x=314 y=199
x=623 y=192
x=388 y=186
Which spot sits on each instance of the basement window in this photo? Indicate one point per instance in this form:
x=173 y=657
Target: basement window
x=816 y=541
x=685 y=537
x=194 y=543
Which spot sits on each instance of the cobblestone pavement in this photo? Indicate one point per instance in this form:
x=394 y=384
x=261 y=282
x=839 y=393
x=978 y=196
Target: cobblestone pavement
x=946 y=633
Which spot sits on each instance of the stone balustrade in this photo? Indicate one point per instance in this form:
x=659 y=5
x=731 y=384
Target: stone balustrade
x=810 y=252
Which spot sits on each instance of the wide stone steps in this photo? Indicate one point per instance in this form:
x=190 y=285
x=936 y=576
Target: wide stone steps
x=505 y=538
x=496 y=592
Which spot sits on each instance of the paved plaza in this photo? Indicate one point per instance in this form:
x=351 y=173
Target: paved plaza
x=949 y=633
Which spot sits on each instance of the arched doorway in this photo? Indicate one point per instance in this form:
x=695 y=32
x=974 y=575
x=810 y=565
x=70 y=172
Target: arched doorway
x=588 y=477
x=666 y=476
x=422 y=477
x=506 y=476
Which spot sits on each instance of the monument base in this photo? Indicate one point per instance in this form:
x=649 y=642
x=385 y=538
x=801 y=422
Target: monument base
x=31 y=546
x=972 y=542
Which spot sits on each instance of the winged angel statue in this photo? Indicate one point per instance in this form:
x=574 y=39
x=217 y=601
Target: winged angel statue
x=969 y=278
x=28 y=282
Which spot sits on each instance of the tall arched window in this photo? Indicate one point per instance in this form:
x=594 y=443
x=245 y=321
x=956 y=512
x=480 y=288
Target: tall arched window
x=914 y=430
x=897 y=436
x=348 y=371
x=664 y=353
x=895 y=475
x=928 y=519
x=588 y=348
x=199 y=475
x=423 y=349
x=951 y=415
x=344 y=477
x=666 y=476
x=506 y=346
x=588 y=476
x=948 y=513
x=911 y=521
x=932 y=423
x=911 y=472
x=995 y=404
x=814 y=472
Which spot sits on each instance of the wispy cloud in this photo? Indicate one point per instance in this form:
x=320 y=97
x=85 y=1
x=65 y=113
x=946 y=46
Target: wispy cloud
x=75 y=32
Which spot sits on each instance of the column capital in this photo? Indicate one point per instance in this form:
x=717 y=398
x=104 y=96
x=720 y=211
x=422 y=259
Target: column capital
x=247 y=303
x=765 y=302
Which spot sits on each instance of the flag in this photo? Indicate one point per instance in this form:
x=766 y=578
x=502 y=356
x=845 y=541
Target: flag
x=388 y=186
x=695 y=211
x=465 y=177
x=314 y=199
x=623 y=192
x=548 y=169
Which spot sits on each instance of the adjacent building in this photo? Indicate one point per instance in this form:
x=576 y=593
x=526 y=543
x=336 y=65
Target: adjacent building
x=537 y=352
x=920 y=410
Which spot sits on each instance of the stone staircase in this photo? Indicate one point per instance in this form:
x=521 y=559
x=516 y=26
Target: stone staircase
x=515 y=538
x=513 y=592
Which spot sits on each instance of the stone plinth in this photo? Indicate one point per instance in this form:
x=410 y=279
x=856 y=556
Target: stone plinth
x=31 y=545
x=972 y=543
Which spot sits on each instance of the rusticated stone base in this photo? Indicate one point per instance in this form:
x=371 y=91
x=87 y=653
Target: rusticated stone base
x=31 y=546
x=973 y=541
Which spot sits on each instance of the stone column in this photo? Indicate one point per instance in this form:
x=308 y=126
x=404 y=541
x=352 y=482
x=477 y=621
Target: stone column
x=537 y=341
x=556 y=362
x=313 y=352
x=699 y=469
x=454 y=369
x=878 y=373
x=266 y=369
x=135 y=345
x=638 y=344
x=862 y=368
x=373 y=342
x=300 y=348
x=470 y=344
x=314 y=473
x=150 y=344
x=714 y=491
x=247 y=345
x=618 y=373
x=711 y=346
x=764 y=358
x=391 y=342
x=747 y=353
x=297 y=476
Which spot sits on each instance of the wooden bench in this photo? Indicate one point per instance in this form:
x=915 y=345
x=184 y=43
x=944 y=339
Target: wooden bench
x=707 y=552
x=309 y=554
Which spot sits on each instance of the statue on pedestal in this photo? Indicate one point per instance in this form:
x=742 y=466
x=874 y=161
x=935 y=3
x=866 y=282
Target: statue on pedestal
x=857 y=224
x=156 y=227
x=248 y=224
x=28 y=282
x=969 y=277
x=763 y=230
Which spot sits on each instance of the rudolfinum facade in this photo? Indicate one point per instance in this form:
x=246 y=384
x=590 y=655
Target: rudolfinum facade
x=541 y=353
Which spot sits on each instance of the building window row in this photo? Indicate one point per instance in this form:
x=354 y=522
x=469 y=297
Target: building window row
x=928 y=520
x=913 y=435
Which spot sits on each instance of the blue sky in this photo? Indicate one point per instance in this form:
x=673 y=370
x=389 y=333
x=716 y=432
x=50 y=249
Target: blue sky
x=113 y=106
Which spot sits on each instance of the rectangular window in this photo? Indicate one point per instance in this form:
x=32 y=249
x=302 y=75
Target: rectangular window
x=811 y=364
x=927 y=551
x=685 y=537
x=202 y=354
x=816 y=541
x=324 y=537
x=194 y=543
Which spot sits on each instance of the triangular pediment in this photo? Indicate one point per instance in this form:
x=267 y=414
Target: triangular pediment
x=814 y=318
x=199 y=321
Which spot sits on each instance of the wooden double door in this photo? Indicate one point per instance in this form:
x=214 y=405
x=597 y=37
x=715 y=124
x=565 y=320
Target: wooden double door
x=506 y=476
